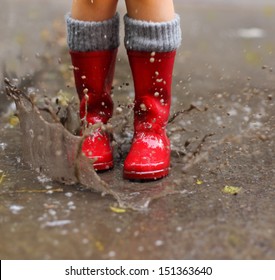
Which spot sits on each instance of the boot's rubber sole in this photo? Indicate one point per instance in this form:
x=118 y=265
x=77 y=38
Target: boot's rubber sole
x=102 y=166
x=146 y=175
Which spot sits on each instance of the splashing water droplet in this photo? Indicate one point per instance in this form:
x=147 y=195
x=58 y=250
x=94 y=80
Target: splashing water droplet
x=143 y=107
x=156 y=94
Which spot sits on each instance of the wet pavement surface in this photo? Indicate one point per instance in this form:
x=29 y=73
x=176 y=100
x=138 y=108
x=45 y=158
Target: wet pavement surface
x=223 y=166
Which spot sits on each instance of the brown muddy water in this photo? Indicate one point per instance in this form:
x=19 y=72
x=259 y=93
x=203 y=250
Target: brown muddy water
x=218 y=201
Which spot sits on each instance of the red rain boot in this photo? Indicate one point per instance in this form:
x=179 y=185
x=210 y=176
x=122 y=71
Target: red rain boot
x=94 y=72
x=149 y=156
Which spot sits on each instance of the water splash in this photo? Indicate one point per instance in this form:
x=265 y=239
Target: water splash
x=53 y=151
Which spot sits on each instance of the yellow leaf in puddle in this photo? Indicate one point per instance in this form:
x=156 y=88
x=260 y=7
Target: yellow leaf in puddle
x=45 y=35
x=269 y=11
x=199 y=182
x=99 y=246
x=253 y=57
x=231 y=190
x=13 y=121
x=117 y=210
x=20 y=39
x=2 y=176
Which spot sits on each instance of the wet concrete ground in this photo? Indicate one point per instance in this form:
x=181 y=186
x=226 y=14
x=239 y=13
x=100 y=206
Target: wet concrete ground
x=225 y=68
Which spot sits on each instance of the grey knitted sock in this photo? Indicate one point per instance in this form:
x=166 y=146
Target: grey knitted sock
x=86 y=36
x=152 y=36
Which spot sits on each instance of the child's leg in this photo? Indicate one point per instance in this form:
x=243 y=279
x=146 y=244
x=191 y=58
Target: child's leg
x=152 y=35
x=151 y=10
x=93 y=39
x=93 y=10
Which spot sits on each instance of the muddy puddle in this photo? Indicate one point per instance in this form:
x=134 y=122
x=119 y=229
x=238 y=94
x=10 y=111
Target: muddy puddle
x=51 y=148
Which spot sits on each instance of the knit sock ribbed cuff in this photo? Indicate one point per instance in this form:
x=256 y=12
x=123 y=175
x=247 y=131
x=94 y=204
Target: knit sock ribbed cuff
x=152 y=36
x=86 y=36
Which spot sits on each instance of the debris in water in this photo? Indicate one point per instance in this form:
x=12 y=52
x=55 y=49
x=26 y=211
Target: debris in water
x=159 y=243
x=15 y=209
x=117 y=209
x=191 y=108
x=2 y=176
x=178 y=228
x=43 y=179
x=68 y=194
x=13 y=121
x=57 y=223
x=112 y=254
x=3 y=146
x=119 y=110
x=38 y=191
x=199 y=182
x=231 y=190
x=99 y=246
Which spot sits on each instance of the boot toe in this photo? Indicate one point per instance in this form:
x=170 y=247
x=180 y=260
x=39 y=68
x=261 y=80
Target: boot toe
x=97 y=146
x=147 y=160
